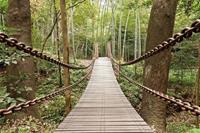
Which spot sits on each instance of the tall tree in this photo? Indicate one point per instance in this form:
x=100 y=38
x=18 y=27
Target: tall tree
x=197 y=86
x=21 y=76
x=57 y=41
x=66 y=75
x=125 y=33
x=136 y=35
x=160 y=27
x=72 y=31
x=113 y=27
x=120 y=37
x=139 y=34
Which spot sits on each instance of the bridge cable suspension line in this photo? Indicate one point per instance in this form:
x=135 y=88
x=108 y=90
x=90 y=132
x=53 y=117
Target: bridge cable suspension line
x=186 y=106
x=12 y=42
x=36 y=101
x=177 y=38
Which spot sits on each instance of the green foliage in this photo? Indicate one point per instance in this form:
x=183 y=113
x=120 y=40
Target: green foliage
x=178 y=128
x=36 y=38
x=5 y=100
x=185 y=77
x=194 y=130
x=132 y=92
x=11 y=56
x=78 y=90
x=189 y=9
x=53 y=111
x=27 y=125
x=3 y=6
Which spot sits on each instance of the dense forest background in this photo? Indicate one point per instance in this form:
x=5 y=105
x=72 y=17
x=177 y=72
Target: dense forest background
x=122 y=23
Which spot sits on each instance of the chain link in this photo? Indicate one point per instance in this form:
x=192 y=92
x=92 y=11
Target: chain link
x=186 y=106
x=12 y=42
x=177 y=38
x=41 y=100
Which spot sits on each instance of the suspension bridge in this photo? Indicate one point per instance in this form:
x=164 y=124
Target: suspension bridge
x=103 y=107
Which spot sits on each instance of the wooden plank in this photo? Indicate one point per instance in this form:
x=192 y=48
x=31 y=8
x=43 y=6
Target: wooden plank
x=103 y=107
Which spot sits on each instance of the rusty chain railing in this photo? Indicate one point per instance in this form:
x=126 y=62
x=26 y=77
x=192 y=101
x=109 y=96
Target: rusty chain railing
x=12 y=42
x=186 y=106
x=177 y=38
x=41 y=100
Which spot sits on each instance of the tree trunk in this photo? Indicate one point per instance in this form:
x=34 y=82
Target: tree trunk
x=66 y=75
x=197 y=86
x=72 y=32
x=139 y=35
x=125 y=33
x=136 y=35
x=57 y=40
x=53 y=18
x=2 y=20
x=157 y=67
x=21 y=77
x=120 y=37
x=113 y=28
x=96 y=50
x=86 y=47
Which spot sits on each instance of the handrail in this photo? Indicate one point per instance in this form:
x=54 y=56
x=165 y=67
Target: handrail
x=41 y=100
x=186 y=106
x=177 y=38
x=12 y=42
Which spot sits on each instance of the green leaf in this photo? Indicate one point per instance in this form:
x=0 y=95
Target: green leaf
x=20 y=99
x=13 y=103
x=10 y=100
x=4 y=96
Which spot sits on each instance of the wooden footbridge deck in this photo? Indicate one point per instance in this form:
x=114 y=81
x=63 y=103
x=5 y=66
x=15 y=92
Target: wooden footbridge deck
x=103 y=106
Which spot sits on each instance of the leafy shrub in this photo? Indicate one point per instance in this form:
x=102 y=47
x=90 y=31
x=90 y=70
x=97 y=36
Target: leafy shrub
x=174 y=127
x=194 y=130
x=27 y=125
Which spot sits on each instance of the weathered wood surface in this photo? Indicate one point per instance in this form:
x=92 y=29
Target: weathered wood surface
x=103 y=106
